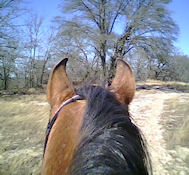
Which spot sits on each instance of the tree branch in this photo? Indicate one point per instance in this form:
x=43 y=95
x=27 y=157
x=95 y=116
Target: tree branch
x=91 y=13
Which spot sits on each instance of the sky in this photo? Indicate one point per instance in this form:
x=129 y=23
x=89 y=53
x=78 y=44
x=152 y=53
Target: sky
x=179 y=8
x=180 y=14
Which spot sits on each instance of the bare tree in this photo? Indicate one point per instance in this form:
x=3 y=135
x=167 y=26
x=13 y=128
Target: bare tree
x=146 y=24
x=9 y=41
x=7 y=62
x=96 y=21
x=37 y=44
x=32 y=45
x=72 y=41
x=48 y=51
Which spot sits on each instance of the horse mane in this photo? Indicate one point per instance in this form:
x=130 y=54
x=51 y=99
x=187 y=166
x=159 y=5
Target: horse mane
x=110 y=143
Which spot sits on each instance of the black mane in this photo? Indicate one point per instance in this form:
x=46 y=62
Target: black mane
x=110 y=143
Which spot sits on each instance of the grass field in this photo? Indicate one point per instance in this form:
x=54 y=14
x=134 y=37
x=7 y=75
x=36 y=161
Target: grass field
x=23 y=121
x=161 y=111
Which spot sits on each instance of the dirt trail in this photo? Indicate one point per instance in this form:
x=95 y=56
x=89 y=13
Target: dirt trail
x=156 y=113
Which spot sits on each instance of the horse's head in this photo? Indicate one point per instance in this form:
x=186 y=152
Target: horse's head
x=60 y=87
x=67 y=132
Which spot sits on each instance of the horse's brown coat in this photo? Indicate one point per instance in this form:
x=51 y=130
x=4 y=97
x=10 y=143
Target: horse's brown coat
x=123 y=85
x=63 y=139
x=59 y=87
x=64 y=135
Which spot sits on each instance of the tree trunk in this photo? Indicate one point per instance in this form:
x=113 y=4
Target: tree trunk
x=118 y=53
x=5 y=75
x=103 y=32
x=5 y=83
x=43 y=69
x=103 y=58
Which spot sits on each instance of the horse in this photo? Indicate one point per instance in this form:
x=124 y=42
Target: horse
x=90 y=130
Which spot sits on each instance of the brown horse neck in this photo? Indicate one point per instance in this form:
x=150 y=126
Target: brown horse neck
x=63 y=139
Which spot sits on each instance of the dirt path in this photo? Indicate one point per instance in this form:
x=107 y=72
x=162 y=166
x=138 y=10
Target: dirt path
x=163 y=117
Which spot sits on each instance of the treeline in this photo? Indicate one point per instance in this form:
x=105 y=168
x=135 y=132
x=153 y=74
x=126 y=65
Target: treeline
x=93 y=34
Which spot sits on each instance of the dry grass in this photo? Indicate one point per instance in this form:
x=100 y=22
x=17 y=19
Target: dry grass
x=23 y=120
x=176 y=121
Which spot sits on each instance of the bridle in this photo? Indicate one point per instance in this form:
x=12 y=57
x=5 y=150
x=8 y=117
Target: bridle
x=52 y=121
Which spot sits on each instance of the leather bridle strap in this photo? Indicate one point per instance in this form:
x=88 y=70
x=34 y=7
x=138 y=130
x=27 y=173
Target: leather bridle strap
x=52 y=121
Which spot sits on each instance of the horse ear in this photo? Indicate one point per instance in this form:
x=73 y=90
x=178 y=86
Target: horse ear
x=123 y=85
x=59 y=86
